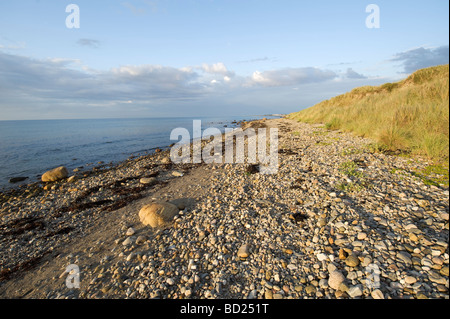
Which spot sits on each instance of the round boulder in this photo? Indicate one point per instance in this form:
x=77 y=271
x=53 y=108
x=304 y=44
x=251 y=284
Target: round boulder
x=55 y=174
x=158 y=214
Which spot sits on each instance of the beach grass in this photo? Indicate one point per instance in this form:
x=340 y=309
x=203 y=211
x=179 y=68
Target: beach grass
x=411 y=115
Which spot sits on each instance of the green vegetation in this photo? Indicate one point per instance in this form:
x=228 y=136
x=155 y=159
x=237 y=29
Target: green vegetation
x=411 y=115
x=351 y=151
x=350 y=187
x=435 y=175
x=318 y=133
x=350 y=168
x=358 y=179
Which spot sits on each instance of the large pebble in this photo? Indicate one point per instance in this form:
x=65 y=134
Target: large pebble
x=335 y=279
x=158 y=214
x=55 y=174
x=244 y=251
x=355 y=291
x=352 y=261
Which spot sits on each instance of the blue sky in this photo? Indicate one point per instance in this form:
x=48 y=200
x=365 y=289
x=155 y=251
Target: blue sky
x=151 y=58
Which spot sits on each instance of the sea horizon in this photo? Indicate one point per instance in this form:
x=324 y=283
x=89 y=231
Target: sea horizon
x=145 y=118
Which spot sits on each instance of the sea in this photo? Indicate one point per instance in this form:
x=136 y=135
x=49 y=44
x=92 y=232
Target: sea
x=29 y=148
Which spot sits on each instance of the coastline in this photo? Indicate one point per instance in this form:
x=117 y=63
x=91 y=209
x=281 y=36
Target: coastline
x=83 y=144
x=299 y=224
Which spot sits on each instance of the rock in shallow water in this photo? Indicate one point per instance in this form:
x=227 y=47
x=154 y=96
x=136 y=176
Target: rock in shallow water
x=55 y=174
x=17 y=179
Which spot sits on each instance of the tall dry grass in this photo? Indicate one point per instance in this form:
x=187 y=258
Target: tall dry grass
x=411 y=115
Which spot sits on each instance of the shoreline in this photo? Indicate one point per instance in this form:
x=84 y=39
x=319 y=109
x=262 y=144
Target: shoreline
x=298 y=223
x=24 y=181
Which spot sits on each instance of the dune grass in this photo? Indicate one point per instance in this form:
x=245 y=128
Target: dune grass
x=411 y=115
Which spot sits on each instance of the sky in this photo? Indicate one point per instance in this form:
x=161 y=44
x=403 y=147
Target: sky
x=171 y=58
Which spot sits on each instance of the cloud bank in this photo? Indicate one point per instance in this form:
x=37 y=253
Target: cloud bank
x=291 y=76
x=420 y=58
x=65 y=88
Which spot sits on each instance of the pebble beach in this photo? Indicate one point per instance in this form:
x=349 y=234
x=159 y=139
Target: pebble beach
x=338 y=220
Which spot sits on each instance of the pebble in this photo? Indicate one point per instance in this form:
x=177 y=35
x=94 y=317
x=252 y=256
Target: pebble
x=377 y=294
x=170 y=281
x=405 y=257
x=127 y=241
x=361 y=236
x=323 y=283
x=310 y=289
x=244 y=251
x=410 y=280
x=352 y=261
x=355 y=291
x=335 y=279
x=177 y=174
x=148 y=180
x=342 y=254
x=141 y=239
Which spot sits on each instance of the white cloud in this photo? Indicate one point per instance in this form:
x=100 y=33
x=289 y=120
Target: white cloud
x=258 y=77
x=290 y=76
x=52 y=79
x=216 y=68
x=65 y=88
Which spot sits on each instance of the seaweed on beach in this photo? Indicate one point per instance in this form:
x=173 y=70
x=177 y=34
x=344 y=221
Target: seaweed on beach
x=83 y=206
x=125 y=191
x=61 y=231
x=7 y=273
x=121 y=203
x=117 y=188
x=21 y=225
x=287 y=152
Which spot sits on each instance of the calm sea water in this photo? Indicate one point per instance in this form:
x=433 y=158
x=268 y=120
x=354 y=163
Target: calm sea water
x=29 y=148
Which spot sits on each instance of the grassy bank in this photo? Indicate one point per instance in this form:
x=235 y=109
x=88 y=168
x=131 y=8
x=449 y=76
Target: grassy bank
x=411 y=115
